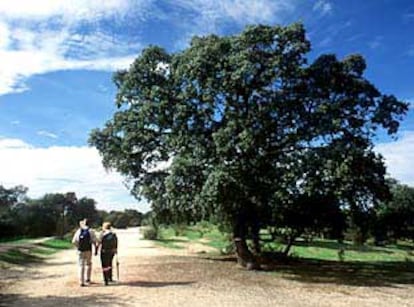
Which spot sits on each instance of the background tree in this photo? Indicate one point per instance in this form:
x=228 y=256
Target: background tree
x=233 y=127
x=52 y=214
x=124 y=219
x=395 y=218
x=9 y=198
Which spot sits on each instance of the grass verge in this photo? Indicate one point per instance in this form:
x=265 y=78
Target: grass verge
x=33 y=252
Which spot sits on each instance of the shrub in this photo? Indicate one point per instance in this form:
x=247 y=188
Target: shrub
x=150 y=233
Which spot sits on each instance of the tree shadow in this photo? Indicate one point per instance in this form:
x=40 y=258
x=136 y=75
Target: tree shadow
x=357 y=273
x=154 y=284
x=19 y=257
x=171 y=240
x=226 y=258
x=52 y=301
x=346 y=246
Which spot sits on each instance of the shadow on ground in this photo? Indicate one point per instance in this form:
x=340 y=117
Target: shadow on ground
x=61 y=301
x=375 y=274
x=383 y=274
x=155 y=284
x=345 y=245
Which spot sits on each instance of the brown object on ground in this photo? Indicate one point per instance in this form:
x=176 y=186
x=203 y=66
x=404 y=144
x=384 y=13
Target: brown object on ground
x=156 y=276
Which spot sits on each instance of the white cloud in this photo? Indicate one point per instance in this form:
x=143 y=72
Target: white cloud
x=239 y=11
x=323 y=6
x=63 y=169
x=70 y=10
x=50 y=35
x=399 y=157
x=209 y=15
x=44 y=36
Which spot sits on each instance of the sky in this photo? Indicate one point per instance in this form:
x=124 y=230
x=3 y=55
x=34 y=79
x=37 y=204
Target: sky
x=57 y=58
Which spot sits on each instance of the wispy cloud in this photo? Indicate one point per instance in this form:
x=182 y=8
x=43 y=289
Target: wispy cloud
x=410 y=51
x=238 y=10
x=410 y=101
x=399 y=157
x=324 y=7
x=50 y=35
x=325 y=42
x=47 y=134
x=62 y=169
x=408 y=17
x=70 y=11
x=209 y=16
x=376 y=43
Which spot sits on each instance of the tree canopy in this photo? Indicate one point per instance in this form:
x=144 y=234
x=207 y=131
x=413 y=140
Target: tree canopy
x=237 y=127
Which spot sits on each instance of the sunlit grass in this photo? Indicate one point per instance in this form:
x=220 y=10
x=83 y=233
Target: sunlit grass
x=331 y=250
x=206 y=234
x=56 y=244
x=318 y=249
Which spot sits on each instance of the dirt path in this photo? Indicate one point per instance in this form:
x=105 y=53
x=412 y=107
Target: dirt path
x=154 y=276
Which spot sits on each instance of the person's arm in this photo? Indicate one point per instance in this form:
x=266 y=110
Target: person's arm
x=75 y=239
x=96 y=242
x=116 y=244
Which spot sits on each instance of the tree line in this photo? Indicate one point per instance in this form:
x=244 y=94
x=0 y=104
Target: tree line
x=54 y=214
x=248 y=131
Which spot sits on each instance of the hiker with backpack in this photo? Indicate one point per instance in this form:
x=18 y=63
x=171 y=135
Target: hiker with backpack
x=108 y=243
x=83 y=239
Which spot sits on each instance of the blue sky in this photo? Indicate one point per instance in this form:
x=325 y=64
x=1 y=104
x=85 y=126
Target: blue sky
x=57 y=58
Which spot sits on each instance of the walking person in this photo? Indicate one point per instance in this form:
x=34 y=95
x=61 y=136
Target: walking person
x=108 y=243
x=83 y=239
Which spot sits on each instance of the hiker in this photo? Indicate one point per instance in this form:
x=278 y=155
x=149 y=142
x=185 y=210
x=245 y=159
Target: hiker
x=83 y=239
x=108 y=243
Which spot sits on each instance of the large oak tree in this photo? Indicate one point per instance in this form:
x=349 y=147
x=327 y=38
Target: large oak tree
x=232 y=127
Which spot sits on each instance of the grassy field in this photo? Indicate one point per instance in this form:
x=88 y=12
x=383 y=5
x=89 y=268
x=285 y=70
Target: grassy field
x=318 y=261
x=324 y=250
x=27 y=252
x=177 y=236
x=333 y=251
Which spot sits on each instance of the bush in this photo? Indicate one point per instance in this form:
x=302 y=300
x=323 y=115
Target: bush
x=150 y=233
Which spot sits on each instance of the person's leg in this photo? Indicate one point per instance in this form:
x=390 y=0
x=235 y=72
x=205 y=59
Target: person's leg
x=110 y=260
x=88 y=262
x=105 y=266
x=81 y=264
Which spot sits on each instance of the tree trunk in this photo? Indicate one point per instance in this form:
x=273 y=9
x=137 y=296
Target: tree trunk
x=256 y=238
x=291 y=240
x=244 y=257
x=288 y=246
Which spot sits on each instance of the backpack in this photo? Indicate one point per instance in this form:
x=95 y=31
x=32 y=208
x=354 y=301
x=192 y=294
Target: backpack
x=85 y=243
x=109 y=241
